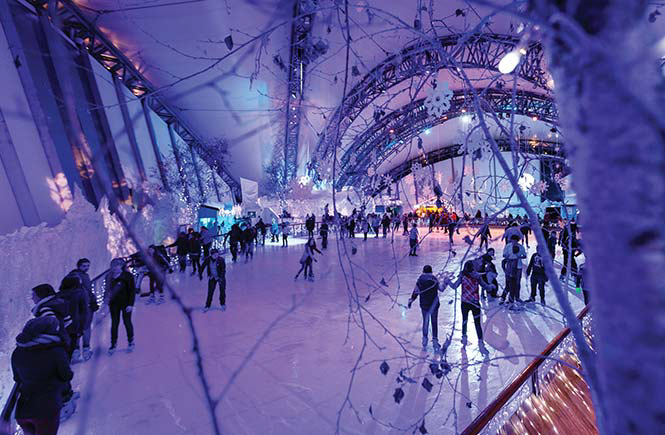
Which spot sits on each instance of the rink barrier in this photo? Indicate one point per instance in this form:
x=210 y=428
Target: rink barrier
x=493 y=417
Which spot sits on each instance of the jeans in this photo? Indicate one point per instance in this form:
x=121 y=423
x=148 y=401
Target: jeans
x=306 y=266
x=431 y=314
x=539 y=283
x=115 y=323
x=512 y=287
x=475 y=310
x=413 y=243
x=211 y=291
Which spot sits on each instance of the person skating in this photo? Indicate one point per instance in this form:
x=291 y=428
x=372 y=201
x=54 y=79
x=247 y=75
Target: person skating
x=536 y=269
x=195 y=252
x=489 y=273
x=310 y=224
x=285 y=234
x=274 y=231
x=249 y=236
x=81 y=272
x=307 y=259
x=71 y=291
x=365 y=229
x=525 y=229
x=323 y=231
x=235 y=234
x=262 y=228
x=385 y=223
x=568 y=242
x=427 y=288
x=413 y=240
x=161 y=263
x=119 y=295
x=41 y=370
x=513 y=256
x=216 y=267
x=470 y=301
x=452 y=227
x=405 y=224
x=485 y=235
x=182 y=249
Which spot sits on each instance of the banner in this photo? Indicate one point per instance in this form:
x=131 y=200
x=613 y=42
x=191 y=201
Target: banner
x=250 y=194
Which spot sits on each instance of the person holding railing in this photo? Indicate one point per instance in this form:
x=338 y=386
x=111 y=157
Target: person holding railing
x=41 y=370
x=71 y=292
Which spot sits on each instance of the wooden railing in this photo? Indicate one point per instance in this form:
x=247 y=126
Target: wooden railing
x=530 y=373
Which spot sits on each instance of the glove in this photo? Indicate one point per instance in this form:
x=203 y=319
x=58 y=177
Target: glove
x=129 y=309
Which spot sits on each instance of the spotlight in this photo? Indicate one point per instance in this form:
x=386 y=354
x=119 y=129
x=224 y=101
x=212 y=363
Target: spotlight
x=509 y=62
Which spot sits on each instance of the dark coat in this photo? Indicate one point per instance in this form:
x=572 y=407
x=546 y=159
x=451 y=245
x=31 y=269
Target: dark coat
x=54 y=306
x=88 y=296
x=427 y=287
x=195 y=246
x=42 y=372
x=220 y=264
x=121 y=291
x=78 y=306
x=181 y=244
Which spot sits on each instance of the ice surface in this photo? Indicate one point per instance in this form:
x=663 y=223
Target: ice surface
x=301 y=363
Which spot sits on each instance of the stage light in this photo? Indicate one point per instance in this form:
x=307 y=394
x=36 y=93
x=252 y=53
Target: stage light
x=509 y=62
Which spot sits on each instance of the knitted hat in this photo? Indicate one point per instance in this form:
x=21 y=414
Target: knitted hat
x=48 y=325
x=43 y=290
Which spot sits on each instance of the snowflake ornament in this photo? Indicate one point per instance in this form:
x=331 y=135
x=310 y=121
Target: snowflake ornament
x=538 y=188
x=476 y=145
x=438 y=99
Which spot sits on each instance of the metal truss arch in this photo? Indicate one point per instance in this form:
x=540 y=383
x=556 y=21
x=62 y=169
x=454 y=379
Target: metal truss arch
x=390 y=134
x=482 y=51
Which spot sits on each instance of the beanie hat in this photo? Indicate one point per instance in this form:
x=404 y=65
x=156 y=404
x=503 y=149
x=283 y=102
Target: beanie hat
x=43 y=290
x=39 y=326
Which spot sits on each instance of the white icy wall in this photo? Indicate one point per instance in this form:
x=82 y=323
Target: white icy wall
x=41 y=254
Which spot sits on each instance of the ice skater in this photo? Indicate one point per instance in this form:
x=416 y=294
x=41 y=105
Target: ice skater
x=119 y=295
x=216 y=267
x=471 y=280
x=536 y=269
x=413 y=240
x=307 y=259
x=427 y=288
x=285 y=234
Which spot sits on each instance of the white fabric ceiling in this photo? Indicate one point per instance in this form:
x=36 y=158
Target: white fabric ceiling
x=239 y=95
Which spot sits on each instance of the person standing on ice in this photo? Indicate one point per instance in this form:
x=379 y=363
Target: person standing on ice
x=195 y=252
x=471 y=280
x=182 y=248
x=307 y=259
x=81 y=272
x=41 y=370
x=119 y=296
x=365 y=228
x=206 y=239
x=216 y=275
x=413 y=240
x=323 y=231
x=385 y=222
x=285 y=234
x=427 y=288
x=161 y=263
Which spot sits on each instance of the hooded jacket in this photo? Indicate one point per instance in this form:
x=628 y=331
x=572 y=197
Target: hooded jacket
x=427 y=287
x=41 y=369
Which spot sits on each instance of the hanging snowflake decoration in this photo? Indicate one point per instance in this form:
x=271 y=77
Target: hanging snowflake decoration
x=505 y=187
x=438 y=99
x=538 y=188
x=476 y=144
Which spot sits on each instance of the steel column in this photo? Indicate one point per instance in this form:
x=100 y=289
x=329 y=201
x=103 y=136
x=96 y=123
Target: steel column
x=153 y=141
x=178 y=162
x=129 y=126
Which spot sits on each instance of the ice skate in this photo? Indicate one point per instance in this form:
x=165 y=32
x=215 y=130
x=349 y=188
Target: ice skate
x=130 y=347
x=160 y=300
x=206 y=309
x=223 y=307
x=482 y=348
x=68 y=408
x=112 y=349
x=436 y=345
x=76 y=357
x=87 y=354
x=150 y=300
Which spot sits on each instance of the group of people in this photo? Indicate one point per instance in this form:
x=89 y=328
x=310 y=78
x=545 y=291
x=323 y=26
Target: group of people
x=479 y=278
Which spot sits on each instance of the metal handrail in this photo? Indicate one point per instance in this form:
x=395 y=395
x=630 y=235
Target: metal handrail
x=529 y=372
x=12 y=399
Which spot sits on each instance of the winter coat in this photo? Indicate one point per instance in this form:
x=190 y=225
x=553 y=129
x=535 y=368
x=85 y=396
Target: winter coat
x=218 y=266
x=78 y=306
x=41 y=368
x=195 y=246
x=413 y=234
x=181 y=244
x=54 y=306
x=88 y=296
x=537 y=267
x=121 y=291
x=323 y=229
x=427 y=287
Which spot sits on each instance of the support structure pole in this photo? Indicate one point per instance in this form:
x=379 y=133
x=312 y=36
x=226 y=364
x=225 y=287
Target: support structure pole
x=153 y=141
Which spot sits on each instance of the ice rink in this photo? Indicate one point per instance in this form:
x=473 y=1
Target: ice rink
x=303 y=357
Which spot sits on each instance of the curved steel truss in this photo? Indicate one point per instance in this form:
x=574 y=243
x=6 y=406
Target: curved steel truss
x=483 y=51
x=390 y=134
x=542 y=148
